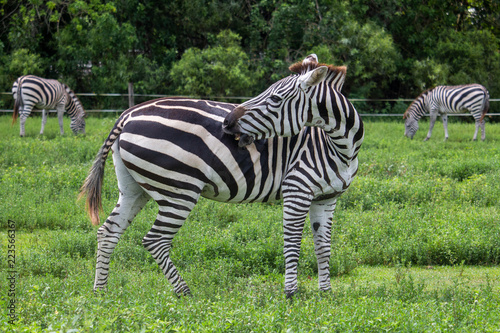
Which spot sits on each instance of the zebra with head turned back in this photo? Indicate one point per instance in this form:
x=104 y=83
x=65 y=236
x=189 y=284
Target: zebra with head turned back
x=442 y=100
x=30 y=92
x=175 y=150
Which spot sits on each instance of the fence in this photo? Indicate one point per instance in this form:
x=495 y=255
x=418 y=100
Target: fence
x=131 y=97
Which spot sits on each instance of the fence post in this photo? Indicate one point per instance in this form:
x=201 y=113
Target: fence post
x=130 y=94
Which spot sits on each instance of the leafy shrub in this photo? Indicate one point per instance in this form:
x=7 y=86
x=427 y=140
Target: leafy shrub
x=218 y=71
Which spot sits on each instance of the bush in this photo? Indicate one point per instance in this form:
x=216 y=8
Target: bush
x=217 y=71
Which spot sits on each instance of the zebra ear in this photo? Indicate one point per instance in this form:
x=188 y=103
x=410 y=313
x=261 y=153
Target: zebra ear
x=313 y=77
x=312 y=58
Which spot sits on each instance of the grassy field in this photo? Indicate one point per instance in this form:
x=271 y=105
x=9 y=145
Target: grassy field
x=416 y=244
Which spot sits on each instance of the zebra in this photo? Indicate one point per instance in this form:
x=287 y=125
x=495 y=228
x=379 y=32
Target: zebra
x=298 y=142
x=30 y=92
x=442 y=100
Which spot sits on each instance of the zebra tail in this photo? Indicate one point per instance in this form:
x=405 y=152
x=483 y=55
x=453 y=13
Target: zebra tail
x=92 y=186
x=17 y=102
x=486 y=105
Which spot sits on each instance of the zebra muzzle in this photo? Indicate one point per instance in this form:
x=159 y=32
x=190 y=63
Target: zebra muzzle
x=244 y=139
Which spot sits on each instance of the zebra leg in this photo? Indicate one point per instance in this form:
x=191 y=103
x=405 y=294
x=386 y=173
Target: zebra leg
x=45 y=113
x=131 y=200
x=474 y=138
x=23 y=116
x=295 y=209
x=158 y=241
x=60 y=114
x=483 y=134
x=433 y=118
x=444 y=118
x=321 y=223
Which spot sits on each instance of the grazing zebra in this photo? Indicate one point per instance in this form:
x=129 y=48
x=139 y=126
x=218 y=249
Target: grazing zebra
x=175 y=150
x=30 y=92
x=448 y=99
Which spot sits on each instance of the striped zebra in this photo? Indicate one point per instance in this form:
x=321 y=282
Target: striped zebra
x=175 y=150
x=30 y=92
x=442 y=100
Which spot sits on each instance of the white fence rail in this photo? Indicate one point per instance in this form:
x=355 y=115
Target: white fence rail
x=242 y=98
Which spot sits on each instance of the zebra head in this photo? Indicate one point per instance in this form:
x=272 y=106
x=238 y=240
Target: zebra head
x=411 y=125
x=302 y=99
x=76 y=112
x=77 y=124
x=414 y=112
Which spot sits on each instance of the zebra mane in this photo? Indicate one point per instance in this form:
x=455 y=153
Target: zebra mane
x=301 y=68
x=80 y=110
x=336 y=73
x=415 y=101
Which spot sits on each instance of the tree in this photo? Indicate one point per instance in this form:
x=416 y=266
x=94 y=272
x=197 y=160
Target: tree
x=392 y=48
x=472 y=56
x=94 y=52
x=216 y=71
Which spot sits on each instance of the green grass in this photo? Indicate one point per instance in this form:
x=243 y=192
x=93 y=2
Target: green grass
x=416 y=244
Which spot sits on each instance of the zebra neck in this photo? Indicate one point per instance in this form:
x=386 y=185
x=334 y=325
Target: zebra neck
x=73 y=106
x=347 y=138
x=418 y=107
x=340 y=122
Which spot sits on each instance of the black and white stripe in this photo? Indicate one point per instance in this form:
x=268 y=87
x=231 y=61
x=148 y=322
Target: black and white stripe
x=176 y=150
x=31 y=92
x=448 y=99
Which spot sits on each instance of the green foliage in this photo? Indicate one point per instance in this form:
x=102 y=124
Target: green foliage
x=221 y=70
x=366 y=49
x=97 y=47
x=393 y=49
x=427 y=73
x=471 y=56
x=24 y=63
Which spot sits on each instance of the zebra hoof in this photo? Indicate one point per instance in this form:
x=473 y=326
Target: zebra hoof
x=184 y=295
x=325 y=289
x=326 y=292
x=100 y=291
x=183 y=292
x=290 y=294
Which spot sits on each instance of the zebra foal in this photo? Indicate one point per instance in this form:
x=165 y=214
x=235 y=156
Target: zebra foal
x=175 y=150
x=442 y=100
x=31 y=92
